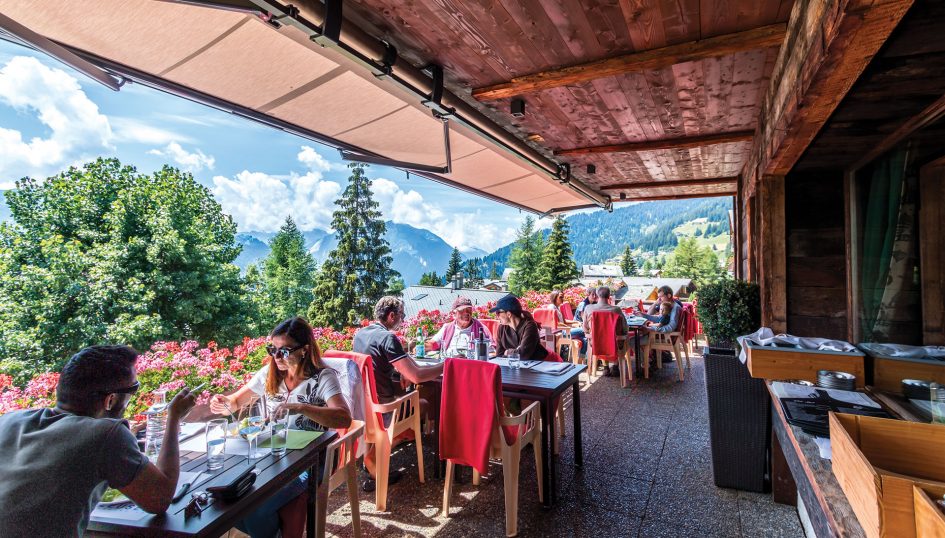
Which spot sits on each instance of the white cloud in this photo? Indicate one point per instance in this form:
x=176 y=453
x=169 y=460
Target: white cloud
x=192 y=162
x=136 y=131
x=261 y=202
x=78 y=131
x=462 y=230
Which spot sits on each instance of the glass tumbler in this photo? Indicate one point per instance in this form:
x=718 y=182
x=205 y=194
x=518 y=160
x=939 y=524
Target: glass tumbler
x=216 y=443
x=279 y=430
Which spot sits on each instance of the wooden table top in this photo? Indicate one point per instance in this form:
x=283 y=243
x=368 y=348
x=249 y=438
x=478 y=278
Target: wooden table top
x=219 y=516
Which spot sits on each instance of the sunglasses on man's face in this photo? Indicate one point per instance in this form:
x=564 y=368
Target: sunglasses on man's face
x=127 y=390
x=281 y=353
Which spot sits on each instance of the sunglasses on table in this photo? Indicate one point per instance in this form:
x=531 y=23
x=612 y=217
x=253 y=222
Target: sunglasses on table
x=281 y=352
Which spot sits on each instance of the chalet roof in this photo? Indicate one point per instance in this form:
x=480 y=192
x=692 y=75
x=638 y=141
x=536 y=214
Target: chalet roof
x=417 y=298
x=589 y=271
x=680 y=286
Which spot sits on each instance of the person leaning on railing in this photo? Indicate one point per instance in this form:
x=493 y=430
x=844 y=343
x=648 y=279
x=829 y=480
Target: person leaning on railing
x=57 y=462
x=297 y=381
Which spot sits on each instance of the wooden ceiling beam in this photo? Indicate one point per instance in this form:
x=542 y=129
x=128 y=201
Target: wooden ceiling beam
x=928 y=116
x=827 y=47
x=675 y=197
x=634 y=62
x=687 y=142
x=717 y=181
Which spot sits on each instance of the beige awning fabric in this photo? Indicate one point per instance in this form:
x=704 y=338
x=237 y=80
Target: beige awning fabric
x=240 y=60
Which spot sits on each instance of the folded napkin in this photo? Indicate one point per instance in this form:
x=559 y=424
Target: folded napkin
x=297 y=439
x=766 y=337
x=551 y=367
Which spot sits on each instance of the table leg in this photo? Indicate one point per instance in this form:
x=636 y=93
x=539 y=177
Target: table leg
x=576 y=406
x=638 y=350
x=548 y=463
x=311 y=511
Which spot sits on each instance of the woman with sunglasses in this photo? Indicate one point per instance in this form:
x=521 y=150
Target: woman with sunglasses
x=294 y=380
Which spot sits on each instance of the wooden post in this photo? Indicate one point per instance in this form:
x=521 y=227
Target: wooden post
x=772 y=254
x=932 y=251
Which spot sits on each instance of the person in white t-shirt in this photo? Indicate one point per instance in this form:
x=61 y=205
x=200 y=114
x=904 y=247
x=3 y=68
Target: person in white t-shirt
x=295 y=380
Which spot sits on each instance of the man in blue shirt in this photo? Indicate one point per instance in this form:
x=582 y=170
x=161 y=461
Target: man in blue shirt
x=578 y=333
x=665 y=294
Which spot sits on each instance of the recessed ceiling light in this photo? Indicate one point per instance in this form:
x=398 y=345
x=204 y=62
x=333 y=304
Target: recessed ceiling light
x=535 y=137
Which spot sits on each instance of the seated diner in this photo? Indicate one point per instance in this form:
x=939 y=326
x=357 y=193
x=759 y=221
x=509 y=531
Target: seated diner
x=518 y=332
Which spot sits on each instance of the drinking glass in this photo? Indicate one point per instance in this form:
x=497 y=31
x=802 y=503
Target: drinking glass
x=279 y=430
x=255 y=422
x=216 y=443
x=513 y=360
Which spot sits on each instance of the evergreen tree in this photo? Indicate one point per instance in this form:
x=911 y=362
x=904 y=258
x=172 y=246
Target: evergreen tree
x=526 y=259
x=395 y=285
x=430 y=279
x=356 y=273
x=691 y=261
x=627 y=264
x=494 y=272
x=472 y=275
x=558 y=270
x=455 y=266
x=284 y=285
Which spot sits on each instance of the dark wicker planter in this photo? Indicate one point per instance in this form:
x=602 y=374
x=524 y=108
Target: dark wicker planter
x=739 y=422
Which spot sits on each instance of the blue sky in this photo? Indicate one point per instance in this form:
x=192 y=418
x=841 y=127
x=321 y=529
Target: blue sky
x=52 y=117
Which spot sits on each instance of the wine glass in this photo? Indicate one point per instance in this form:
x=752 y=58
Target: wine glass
x=256 y=419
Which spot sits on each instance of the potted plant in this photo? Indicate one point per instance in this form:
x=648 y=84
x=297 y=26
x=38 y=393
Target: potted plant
x=739 y=406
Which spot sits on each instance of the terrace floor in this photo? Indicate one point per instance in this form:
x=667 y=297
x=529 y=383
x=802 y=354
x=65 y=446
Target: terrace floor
x=647 y=473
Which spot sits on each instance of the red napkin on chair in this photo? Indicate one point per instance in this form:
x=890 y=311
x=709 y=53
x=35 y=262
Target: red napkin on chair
x=546 y=317
x=491 y=325
x=471 y=394
x=604 y=334
x=566 y=312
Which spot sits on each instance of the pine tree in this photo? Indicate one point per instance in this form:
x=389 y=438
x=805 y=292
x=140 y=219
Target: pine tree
x=494 y=272
x=627 y=264
x=455 y=266
x=558 y=270
x=472 y=275
x=526 y=258
x=284 y=283
x=357 y=271
x=430 y=279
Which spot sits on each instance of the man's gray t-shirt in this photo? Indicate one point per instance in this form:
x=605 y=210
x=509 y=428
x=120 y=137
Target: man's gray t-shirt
x=55 y=466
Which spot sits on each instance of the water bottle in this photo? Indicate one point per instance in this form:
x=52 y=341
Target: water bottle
x=420 y=351
x=472 y=348
x=156 y=423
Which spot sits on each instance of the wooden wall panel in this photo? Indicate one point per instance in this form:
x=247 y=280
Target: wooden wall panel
x=815 y=255
x=772 y=276
x=932 y=252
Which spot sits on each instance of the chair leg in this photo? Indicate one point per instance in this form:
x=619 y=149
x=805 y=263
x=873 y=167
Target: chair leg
x=447 y=488
x=561 y=418
x=477 y=478
x=351 y=478
x=538 y=460
x=382 y=470
x=510 y=476
x=686 y=352
x=646 y=361
x=321 y=514
x=419 y=441
x=593 y=366
x=679 y=364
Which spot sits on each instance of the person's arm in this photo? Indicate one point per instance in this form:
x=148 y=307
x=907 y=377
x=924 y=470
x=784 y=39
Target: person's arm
x=414 y=373
x=673 y=321
x=153 y=488
x=335 y=414
x=500 y=347
x=226 y=405
x=437 y=339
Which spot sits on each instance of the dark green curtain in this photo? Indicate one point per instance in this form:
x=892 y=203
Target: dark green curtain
x=888 y=243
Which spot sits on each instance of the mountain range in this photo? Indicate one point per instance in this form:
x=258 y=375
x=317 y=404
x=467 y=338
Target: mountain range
x=648 y=227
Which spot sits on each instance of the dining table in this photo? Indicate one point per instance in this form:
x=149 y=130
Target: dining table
x=546 y=388
x=217 y=516
x=637 y=324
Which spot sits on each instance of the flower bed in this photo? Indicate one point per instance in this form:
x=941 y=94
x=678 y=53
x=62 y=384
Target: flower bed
x=173 y=365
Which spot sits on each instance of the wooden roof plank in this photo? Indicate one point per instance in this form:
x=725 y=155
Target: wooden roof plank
x=669 y=143
x=767 y=36
x=716 y=181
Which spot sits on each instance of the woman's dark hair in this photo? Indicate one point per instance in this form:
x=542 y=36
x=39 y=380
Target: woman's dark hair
x=553 y=298
x=92 y=373
x=301 y=333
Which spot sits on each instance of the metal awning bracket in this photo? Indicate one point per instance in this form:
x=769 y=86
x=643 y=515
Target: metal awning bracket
x=435 y=101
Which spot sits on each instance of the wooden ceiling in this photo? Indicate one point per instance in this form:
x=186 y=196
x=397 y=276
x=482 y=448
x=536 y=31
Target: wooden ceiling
x=656 y=91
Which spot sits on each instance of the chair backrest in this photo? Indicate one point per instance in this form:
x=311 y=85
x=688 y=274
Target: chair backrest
x=341 y=452
x=567 y=312
x=469 y=409
x=373 y=422
x=352 y=389
x=546 y=316
x=604 y=333
x=491 y=325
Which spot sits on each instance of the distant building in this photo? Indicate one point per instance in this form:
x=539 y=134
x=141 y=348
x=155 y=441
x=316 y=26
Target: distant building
x=495 y=285
x=600 y=271
x=682 y=287
x=417 y=298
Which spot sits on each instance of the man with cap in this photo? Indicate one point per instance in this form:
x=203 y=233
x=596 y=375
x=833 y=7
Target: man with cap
x=453 y=338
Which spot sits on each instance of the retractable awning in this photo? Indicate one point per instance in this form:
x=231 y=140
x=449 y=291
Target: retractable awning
x=239 y=57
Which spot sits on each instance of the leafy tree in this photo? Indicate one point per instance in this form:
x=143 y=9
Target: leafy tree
x=627 y=264
x=287 y=278
x=691 y=261
x=558 y=270
x=472 y=275
x=356 y=273
x=456 y=265
x=395 y=285
x=526 y=259
x=430 y=279
x=103 y=254
x=494 y=271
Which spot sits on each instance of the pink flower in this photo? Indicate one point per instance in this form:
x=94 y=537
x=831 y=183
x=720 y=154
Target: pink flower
x=42 y=385
x=5 y=381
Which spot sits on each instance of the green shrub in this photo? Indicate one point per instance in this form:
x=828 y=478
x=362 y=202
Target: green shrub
x=727 y=309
